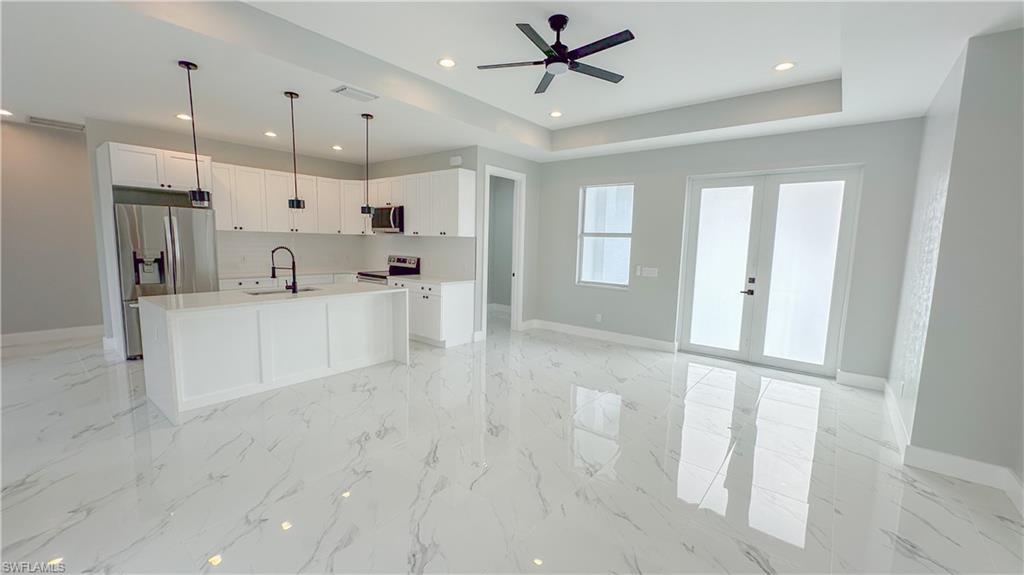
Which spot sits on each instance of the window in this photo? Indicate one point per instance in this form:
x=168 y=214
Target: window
x=606 y=224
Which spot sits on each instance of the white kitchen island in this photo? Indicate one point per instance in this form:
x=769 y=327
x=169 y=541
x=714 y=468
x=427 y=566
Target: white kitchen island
x=204 y=348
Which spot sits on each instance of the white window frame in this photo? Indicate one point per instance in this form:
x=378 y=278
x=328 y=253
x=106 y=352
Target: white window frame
x=580 y=235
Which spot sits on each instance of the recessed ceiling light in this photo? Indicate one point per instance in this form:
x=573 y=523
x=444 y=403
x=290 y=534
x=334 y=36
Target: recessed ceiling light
x=538 y=562
x=286 y=525
x=183 y=117
x=783 y=66
x=347 y=494
x=270 y=134
x=336 y=147
x=215 y=560
x=555 y=114
x=446 y=63
x=5 y=113
x=55 y=561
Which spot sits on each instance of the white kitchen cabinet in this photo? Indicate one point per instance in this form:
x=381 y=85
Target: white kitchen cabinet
x=281 y=187
x=386 y=192
x=353 y=221
x=305 y=220
x=136 y=166
x=142 y=167
x=418 y=217
x=248 y=283
x=222 y=196
x=180 y=171
x=440 y=313
x=328 y=206
x=250 y=199
x=397 y=197
x=452 y=200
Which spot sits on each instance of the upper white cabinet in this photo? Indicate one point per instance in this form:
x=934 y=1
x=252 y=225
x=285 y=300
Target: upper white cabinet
x=180 y=171
x=418 y=217
x=452 y=199
x=250 y=197
x=328 y=206
x=238 y=197
x=354 y=222
x=142 y=167
x=222 y=196
x=281 y=187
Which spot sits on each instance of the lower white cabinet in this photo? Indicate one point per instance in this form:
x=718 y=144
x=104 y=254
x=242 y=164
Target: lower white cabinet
x=247 y=283
x=440 y=313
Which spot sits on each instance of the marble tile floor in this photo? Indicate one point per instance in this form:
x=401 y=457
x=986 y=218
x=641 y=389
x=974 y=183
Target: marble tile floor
x=531 y=452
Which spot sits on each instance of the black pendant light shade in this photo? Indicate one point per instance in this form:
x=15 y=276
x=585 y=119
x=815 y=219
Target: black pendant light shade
x=294 y=203
x=199 y=197
x=366 y=209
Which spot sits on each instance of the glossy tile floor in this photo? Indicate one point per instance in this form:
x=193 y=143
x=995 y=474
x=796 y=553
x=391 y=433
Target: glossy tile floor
x=533 y=452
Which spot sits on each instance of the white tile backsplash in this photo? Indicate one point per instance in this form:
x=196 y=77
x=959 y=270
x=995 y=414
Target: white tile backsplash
x=248 y=253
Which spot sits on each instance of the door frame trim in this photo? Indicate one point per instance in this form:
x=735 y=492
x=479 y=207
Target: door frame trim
x=518 y=241
x=844 y=277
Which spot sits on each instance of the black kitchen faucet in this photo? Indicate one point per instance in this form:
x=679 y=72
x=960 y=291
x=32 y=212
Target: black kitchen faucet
x=294 y=287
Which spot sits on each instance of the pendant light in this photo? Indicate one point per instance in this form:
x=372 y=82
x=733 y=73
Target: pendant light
x=294 y=203
x=199 y=197
x=366 y=209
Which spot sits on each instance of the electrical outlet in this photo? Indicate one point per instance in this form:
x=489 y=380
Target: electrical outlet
x=598 y=318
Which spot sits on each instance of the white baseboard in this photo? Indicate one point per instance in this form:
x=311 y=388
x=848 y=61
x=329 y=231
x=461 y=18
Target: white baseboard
x=611 y=336
x=109 y=344
x=479 y=335
x=30 y=337
x=899 y=427
x=860 y=380
x=971 y=470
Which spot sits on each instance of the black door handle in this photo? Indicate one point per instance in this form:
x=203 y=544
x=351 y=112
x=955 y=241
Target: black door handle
x=747 y=292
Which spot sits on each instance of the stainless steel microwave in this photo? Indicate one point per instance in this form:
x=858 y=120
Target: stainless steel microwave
x=389 y=220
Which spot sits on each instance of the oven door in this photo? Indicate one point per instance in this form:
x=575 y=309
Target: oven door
x=389 y=220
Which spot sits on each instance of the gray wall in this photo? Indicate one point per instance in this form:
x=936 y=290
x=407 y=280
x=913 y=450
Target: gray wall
x=499 y=249
x=970 y=398
x=888 y=151
x=99 y=131
x=50 y=277
x=923 y=244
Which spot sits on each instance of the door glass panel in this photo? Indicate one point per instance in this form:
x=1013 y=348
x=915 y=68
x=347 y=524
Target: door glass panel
x=723 y=236
x=803 y=268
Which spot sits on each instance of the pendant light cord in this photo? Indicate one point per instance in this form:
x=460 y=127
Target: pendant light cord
x=295 y=162
x=192 y=114
x=366 y=181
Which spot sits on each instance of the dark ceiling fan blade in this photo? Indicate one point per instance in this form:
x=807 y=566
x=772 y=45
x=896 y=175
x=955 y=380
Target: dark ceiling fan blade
x=536 y=39
x=544 y=83
x=602 y=44
x=509 y=65
x=595 y=72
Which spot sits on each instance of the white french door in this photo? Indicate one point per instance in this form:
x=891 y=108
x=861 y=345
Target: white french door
x=766 y=266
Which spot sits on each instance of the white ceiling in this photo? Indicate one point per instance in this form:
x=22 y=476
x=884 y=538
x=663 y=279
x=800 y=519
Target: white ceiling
x=73 y=61
x=682 y=54
x=117 y=62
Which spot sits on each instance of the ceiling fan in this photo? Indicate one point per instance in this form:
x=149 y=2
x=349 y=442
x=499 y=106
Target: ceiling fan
x=560 y=59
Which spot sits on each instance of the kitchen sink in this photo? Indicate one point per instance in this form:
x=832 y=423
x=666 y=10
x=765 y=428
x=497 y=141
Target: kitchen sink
x=266 y=292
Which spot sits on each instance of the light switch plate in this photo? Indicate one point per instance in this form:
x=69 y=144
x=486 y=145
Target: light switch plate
x=455 y=161
x=649 y=272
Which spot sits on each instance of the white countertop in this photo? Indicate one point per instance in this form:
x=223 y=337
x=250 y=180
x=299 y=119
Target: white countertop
x=235 y=298
x=282 y=273
x=431 y=279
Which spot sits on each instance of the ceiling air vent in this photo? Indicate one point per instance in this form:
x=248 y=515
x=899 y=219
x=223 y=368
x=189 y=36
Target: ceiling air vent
x=355 y=93
x=55 y=124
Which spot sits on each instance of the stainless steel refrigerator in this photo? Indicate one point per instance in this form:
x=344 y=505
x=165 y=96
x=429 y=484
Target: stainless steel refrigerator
x=162 y=250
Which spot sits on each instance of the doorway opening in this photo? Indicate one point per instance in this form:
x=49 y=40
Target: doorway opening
x=504 y=209
x=766 y=264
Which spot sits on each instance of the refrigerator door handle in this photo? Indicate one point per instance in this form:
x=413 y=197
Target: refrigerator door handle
x=177 y=255
x=169 y=239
